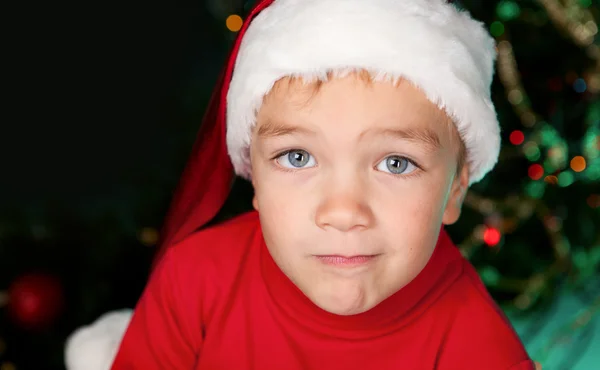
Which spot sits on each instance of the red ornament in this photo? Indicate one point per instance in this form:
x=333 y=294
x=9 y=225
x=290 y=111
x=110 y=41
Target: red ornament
x=35 y=300
x=491 y=236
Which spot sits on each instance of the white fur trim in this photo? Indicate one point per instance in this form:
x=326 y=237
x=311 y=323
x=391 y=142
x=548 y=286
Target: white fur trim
x=442 y=50
x=94 y=347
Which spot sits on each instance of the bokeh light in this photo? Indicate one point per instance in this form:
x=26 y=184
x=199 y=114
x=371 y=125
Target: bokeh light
x=517 y=137
x=491 y=236
x=497 y=29
x=234 y=23
x=531 y=151
x=578 y=163
x=565 y=179
x=551 y=179
x=594 y=201
x=536 y=171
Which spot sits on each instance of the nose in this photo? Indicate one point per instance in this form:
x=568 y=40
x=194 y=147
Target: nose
x=344 y=209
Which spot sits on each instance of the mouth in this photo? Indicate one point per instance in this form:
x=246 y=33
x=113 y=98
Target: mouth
x=346 y=261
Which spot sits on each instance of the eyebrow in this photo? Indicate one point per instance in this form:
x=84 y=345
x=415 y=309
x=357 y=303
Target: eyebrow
x=274 y=128
x=424 y=136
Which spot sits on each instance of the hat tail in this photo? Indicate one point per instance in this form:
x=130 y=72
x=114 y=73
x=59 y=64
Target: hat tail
x=208 y=174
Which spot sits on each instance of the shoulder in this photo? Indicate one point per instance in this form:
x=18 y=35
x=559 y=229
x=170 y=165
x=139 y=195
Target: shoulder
x=219 y=244
x=208 y=258
x=231 y=230
x=212 y=257
x=200 y=271
x=479 y=333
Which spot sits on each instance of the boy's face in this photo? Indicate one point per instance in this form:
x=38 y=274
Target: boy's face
x=352 y=185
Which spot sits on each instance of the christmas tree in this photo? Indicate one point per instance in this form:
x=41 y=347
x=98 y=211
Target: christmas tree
x=531 y=227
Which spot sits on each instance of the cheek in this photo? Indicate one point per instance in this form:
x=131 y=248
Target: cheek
x=412 y=199
x=280 y=195
x=284 y=213
x=281 y=202
x=411 y=213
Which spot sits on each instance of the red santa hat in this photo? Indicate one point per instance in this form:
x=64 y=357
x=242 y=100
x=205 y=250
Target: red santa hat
x=431 y=43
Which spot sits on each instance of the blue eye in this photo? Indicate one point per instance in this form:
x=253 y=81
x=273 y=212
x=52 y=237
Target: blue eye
x=396 y=165
x=296 y=159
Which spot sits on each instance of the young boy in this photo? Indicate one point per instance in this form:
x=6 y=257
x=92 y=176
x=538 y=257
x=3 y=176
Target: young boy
x=361 y=124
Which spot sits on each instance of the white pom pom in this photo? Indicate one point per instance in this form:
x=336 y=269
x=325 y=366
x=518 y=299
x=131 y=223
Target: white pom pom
x=95 y=346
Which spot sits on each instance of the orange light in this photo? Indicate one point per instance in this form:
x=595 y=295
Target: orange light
x=536 y=171
x=234 y=23
x=551 y=179
x=578 y=163
x=517 y=137
x=491 y=236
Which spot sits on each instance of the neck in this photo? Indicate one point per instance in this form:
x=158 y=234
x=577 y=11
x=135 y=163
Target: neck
x=442 y=269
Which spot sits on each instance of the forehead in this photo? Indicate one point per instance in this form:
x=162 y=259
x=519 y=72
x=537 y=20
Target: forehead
x=351 y=99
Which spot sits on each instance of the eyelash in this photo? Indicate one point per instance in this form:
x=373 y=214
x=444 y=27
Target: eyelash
x=290 y=170
x=282 y=153
x=415 y=173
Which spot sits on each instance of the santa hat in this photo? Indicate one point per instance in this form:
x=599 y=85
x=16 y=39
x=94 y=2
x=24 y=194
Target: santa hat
x=430 y=43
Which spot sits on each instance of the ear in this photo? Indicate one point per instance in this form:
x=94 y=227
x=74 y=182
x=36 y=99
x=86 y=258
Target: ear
x=254 y=200
x=460 y=185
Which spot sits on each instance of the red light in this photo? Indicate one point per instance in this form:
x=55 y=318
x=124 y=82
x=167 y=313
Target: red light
x=491 y=236
x=535 y=171
x=517 y=137
x=594 y=201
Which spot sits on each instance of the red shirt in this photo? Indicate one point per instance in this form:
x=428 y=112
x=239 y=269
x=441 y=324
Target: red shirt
x=217 y=300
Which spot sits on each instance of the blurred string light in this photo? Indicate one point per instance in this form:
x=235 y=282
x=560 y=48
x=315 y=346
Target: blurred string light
x=511 y=79
x=497 y=29
x=508 y=10
x=552 y=163
x=497 y=225
x=517 y=137
x=579 y=85
x=594 y=201
x=234 y=23
x=545 y=143
x=228 y=11
x=578 y=22
x=148 y=236
x=565 y=179
x=531 y=150
x=535 y=171
x=491 y=236
x=578 y=163
x=573 y=18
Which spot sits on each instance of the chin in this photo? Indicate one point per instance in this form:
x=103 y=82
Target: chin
x=348 y=311
x=344 y=304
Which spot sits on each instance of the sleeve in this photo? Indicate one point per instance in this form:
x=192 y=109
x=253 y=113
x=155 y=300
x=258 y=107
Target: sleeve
x=165 y=330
